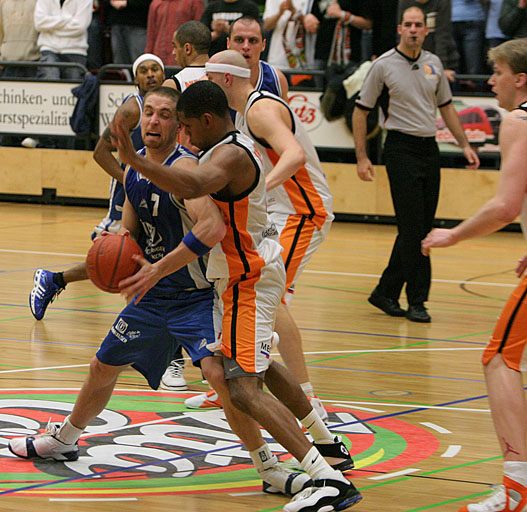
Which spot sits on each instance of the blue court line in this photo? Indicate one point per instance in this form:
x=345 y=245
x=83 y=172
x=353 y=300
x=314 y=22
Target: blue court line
x=417 y=338
x=392 y=373
x=110 y=471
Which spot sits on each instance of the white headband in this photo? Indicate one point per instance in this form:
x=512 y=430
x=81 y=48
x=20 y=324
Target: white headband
x=228 y=68
x=145 y=57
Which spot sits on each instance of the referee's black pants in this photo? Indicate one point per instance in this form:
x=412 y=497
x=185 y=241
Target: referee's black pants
x=413 y=168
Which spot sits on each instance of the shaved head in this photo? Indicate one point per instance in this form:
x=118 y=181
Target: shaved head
x=231 y=57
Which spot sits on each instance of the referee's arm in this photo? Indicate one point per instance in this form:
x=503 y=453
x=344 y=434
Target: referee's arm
x=365 y=169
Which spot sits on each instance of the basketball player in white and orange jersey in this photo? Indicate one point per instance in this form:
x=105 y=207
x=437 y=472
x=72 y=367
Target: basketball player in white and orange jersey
x=299 y=200
x=249 y=275
x=191 y=50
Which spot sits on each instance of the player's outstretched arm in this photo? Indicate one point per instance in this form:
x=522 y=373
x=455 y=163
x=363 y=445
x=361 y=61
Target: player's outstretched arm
x=506 y=204
x=102 y=153
x=270 y=121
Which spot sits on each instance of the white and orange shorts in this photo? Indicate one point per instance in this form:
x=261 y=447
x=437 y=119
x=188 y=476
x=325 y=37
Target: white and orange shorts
x=300 y=238
x=510 y=334
x=248 y=308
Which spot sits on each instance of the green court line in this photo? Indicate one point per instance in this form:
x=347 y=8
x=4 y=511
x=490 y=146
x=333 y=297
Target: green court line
x=455 y=500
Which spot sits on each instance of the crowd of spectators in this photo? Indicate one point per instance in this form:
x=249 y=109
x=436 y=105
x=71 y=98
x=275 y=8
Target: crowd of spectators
x=301 y=34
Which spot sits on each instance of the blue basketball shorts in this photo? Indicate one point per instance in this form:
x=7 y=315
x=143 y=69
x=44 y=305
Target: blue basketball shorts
x=146 y=335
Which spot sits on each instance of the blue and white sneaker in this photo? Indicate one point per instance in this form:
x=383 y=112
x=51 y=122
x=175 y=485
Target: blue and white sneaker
x=325 y=495
x=44 y=292
x=44 y=446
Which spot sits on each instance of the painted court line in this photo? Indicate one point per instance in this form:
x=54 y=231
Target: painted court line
x=92 y=499
x=352 y=274
x=387 y=404
x=452 y=450
x=435 y=427
x=17 y=251
x=395 y=474
x=45 y=368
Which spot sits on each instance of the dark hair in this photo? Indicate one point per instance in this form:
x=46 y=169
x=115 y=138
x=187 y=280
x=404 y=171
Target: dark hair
x=195 y=33
x=167 y=92
x=246 y=20
x=203 y=97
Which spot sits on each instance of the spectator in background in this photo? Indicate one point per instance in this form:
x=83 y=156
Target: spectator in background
x=128 y=19
x=513 y=18
x=468 y=28
x=339 y=30
x=165 y=17
x=291 y=45
x=493 y=34
x=439 y=39
x=63 y=27
x=95 y=38
x=384 y=26
x=18 y=37
x=219 y=15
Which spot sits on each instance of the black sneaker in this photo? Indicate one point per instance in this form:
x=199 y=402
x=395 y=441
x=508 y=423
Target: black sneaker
x=336 y=451
x=326 y=494
x=418 y=313
x=389 y=306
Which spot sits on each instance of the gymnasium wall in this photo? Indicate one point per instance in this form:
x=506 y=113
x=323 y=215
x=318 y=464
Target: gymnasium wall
x=74 y=175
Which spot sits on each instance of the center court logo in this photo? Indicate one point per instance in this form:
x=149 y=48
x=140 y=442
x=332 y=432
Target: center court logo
x=147 y=442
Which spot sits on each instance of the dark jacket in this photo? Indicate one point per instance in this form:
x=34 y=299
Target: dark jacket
x=513 y=20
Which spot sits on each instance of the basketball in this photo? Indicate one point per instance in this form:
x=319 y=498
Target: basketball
x=109 y=260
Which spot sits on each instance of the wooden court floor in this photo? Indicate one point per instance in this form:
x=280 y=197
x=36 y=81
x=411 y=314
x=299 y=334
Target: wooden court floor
x=409 y=399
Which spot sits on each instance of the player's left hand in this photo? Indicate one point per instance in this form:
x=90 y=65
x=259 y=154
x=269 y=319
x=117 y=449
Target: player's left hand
x=437 y=238
x=472 y=157
x=334 y=10
x=121 y=139
x=138 y=284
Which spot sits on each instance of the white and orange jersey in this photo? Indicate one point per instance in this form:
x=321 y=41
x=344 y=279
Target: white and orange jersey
x=187 y=76
x=251 y=241
x=307 y=191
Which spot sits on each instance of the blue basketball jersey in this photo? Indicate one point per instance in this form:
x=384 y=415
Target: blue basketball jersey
x=268 y=79
x=164 y=222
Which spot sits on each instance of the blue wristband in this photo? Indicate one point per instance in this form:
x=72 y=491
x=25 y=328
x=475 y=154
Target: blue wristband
x=195 y=244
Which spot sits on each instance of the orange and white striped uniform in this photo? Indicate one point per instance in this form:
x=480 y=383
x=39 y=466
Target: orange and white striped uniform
x=510 y=334
x=302 y=207
x=246 y=267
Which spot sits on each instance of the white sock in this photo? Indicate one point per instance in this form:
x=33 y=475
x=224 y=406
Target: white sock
x=68 y=433
x=307 y=388
x=316 y=466
x=317 y=428
x=516 y=471
x=263 y=458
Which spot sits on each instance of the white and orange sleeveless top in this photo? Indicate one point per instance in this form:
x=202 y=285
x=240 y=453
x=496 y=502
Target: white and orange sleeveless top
x=307 y=191
x=187 y=76
x=251 y=240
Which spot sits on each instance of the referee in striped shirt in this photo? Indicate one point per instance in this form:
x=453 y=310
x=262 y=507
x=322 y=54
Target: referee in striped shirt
x=410 y=84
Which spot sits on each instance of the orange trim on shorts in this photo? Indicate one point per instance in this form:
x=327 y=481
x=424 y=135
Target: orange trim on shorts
x=510 y=334
x=239 y=322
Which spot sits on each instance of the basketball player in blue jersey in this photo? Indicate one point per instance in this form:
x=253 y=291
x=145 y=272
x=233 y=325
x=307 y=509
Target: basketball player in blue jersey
x=149 y=73
x=246 y=36
x=175 y=237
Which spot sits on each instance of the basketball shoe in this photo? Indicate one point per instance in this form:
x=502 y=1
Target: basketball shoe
x=44 y=446
x=316 y=403
x=279 y=480
x=325 y=495
x=44 y=292
x=511 y=497
x=208 y=400
x=173 y=379
x=336 y=454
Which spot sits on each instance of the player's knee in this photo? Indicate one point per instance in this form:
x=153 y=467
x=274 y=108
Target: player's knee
x=215 y=374
x=102 y=373
x=240 y=397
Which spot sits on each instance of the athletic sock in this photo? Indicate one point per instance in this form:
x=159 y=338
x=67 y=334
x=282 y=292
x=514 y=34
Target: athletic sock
x=263 y=458
x=317 y=428
x=58 y=279
x=316 y=466
x=517 y=471
x=68 y=433
x=307 y=388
